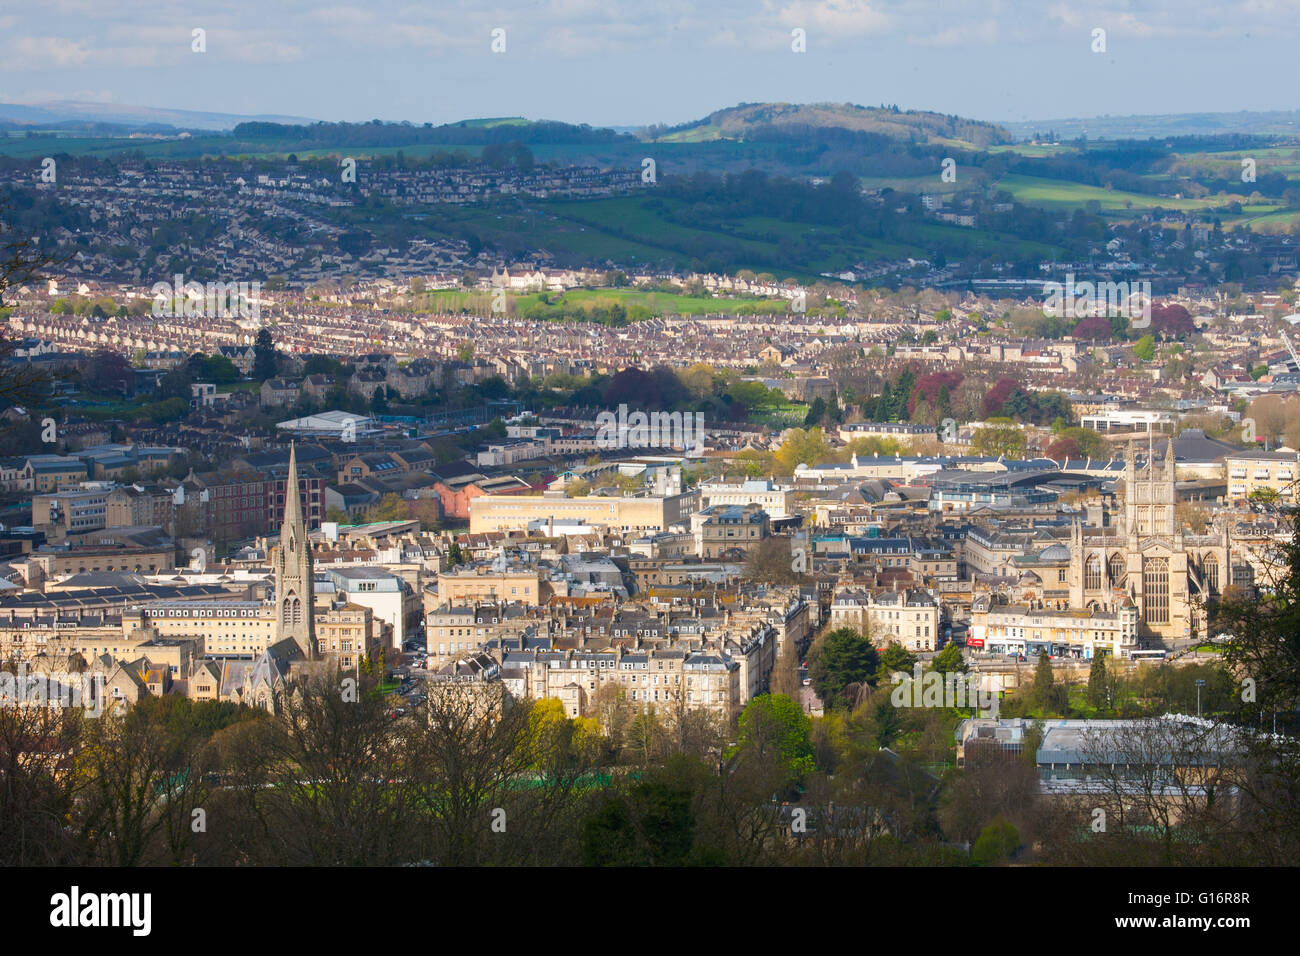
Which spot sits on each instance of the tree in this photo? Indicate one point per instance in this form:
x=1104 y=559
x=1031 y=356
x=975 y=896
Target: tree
x=772 y=726
x=949 y=660
x=839 y=661
x=996 y=843
x=1145 y=348
x=1098 y=682
x=997 y=397
x=1093 y=329
x=894 y=658
x=428 y=511
x=144 y=768
x=785 y=673
x=38 y=790
x=770 y=562
x=1003 y=441
x=391 y=507
x=111 y=371
x=1135 y=769
x=22 y=261
x=816 y=412
x=219 y=369
x=989 y=787
x=653 y=825
x=809 y=447
x=1046 y=694
x=1063 y=449
x=1265 y=632
x=265 y=358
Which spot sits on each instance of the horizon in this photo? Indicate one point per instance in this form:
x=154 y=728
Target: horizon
x=631 y=128
x=348 y=63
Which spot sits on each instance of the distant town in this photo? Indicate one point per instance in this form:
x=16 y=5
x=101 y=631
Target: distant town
x=672 y=498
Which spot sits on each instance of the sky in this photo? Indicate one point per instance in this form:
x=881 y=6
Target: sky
x=618 y=63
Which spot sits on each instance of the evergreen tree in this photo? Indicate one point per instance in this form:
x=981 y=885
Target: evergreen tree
x=1097 y=683
x=841 y=658
x=884 y=404
x=1046 y=694
x=903 y=393
x=949 y=660
x=895 y=657
x=1044 y=681
x=264 y=359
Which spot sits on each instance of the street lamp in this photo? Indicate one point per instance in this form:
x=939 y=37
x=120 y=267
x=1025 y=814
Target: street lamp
x=1199 y=685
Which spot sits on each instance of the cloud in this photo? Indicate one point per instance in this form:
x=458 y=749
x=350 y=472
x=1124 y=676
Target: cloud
x=985 y=33
x=836 y=18
x=40 y=97
x=29 y=53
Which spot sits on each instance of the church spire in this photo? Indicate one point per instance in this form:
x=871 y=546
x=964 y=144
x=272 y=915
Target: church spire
x=294 y=577
x=293 y=520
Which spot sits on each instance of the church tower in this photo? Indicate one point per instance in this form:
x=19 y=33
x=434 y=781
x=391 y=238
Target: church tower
x=1149 y=499
x=294 y=581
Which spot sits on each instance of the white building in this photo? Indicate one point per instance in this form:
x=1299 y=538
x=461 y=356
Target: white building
x=776 y=500
x=341 y=426
x=909 y=617
x=1016 y=629
x=388 y=596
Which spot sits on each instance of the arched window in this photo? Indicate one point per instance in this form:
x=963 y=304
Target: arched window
x=1155 y=591
x=1117 y=570
x=1092 y=573
x=1211 y=568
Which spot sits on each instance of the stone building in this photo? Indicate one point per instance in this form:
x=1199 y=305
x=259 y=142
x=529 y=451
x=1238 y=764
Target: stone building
x=1148 y=559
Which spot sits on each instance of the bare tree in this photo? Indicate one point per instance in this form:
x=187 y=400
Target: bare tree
x=22 y=262
x=1171 y=780
x=38 y=748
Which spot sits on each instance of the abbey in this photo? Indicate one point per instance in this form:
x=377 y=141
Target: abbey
x=1147 y=560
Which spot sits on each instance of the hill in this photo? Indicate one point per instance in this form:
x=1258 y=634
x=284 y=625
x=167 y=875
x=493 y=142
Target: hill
x=1261 y=123
x=761 y=120
x=130 y=118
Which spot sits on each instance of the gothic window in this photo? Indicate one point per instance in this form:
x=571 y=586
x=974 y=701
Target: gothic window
x=1155 y=591
x=1117 y=570
x=1092 y=573
x=1211 y=568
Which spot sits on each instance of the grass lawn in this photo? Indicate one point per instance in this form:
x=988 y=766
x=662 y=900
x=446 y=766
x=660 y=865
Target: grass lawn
x=1039 y=191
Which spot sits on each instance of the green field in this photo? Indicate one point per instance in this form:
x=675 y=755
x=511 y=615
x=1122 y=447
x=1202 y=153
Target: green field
x=657 y=303
x=1038 y=191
